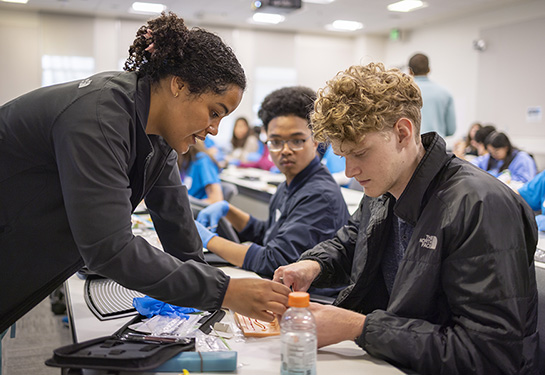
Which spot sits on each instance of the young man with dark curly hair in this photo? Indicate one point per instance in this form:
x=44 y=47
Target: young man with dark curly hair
x=77 y=158
x=439 y=283
x=306 y=209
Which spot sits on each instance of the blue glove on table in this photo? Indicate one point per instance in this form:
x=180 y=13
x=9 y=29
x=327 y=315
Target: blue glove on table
x=204 y=233
x=211 y=215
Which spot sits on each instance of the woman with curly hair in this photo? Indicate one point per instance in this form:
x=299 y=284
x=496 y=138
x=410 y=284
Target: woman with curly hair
x=75 y=167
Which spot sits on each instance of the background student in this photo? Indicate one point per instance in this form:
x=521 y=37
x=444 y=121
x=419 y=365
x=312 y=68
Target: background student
x=438 y=112
x=439 y=284
x=76 y=166
x=307 y=208
x=200 y=174
x=245 y=145
x=465 y=148
x=533 y=193
x=480 y=138
x=503 y=158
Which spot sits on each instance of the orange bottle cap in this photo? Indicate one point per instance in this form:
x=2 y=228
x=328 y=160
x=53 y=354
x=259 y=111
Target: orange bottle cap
x=299 y=299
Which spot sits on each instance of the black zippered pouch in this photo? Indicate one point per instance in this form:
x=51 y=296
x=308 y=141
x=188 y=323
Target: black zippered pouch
x=116 y=352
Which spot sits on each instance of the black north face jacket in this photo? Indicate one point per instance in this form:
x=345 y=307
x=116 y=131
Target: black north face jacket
x=464 y=300
x=75 y=162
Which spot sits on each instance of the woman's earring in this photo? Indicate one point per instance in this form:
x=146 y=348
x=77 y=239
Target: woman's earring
x=176 y=95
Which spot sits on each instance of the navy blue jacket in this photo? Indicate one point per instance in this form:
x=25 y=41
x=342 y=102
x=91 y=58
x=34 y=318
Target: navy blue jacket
x=310 y=210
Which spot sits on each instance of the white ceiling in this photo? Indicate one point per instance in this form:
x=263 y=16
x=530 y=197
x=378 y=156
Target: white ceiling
x=373 y=14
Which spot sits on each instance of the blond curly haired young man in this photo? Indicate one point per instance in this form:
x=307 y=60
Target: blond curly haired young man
x=437 y=282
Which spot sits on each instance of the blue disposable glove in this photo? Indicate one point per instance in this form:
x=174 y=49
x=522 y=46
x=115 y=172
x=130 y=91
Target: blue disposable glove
x=211 y=215
x=205 y=234
x=149 y=307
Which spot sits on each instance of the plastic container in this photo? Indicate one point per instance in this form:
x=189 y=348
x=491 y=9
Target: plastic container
x=298 y=337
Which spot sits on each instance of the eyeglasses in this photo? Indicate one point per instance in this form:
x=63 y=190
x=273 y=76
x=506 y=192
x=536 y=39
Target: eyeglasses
x=293 y=144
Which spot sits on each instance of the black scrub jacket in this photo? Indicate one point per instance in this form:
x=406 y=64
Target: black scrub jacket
x=75 y=161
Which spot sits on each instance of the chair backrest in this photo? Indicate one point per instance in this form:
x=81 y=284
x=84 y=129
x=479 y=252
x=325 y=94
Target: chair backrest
x=226 y=230
x=229 y=190
x=540 y=279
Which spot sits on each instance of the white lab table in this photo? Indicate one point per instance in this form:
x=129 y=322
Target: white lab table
x=256 y=356
x=260 y=185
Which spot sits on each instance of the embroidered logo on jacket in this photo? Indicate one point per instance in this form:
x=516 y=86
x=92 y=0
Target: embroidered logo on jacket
x=429 y=242
x=85 y=83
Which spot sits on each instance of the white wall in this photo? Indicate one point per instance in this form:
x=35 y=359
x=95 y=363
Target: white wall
x=20 y=70
x=455 y=64
x=315 y=58
x=29 y=35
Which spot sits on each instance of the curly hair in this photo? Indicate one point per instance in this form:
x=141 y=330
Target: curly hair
x=295 y=100
x=364 y=99
x=165 y=46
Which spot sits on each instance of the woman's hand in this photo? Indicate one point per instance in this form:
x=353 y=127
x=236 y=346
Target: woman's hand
x=256 y=298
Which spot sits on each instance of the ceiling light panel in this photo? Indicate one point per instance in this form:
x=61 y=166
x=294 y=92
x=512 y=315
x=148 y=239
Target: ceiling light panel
x=344 y=25
x=148 y=7
x=270 y=18
x=406 y=6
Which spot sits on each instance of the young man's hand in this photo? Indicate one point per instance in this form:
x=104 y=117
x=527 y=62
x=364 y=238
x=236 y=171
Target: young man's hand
x=298 y=275
x=335 y=324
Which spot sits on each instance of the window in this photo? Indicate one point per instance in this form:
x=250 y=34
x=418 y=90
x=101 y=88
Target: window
x=59 y=69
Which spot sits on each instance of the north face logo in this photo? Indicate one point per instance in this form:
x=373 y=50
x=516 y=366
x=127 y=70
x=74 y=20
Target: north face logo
x=429 y=242
x=85 y=83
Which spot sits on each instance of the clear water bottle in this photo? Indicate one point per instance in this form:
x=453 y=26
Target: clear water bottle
x=298 y=335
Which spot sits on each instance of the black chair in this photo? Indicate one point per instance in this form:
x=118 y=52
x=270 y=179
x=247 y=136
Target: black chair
x=540 y=279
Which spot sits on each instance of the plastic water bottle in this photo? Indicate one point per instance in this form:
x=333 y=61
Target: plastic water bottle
x=298 y=335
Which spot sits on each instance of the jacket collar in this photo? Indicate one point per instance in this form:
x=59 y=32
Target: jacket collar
x=411 y=200
x=143 y=88
x=304 y=175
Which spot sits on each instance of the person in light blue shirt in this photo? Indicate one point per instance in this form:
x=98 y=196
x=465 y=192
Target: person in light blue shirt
x=438 y=113
x=533 y=193
x=503 y=157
